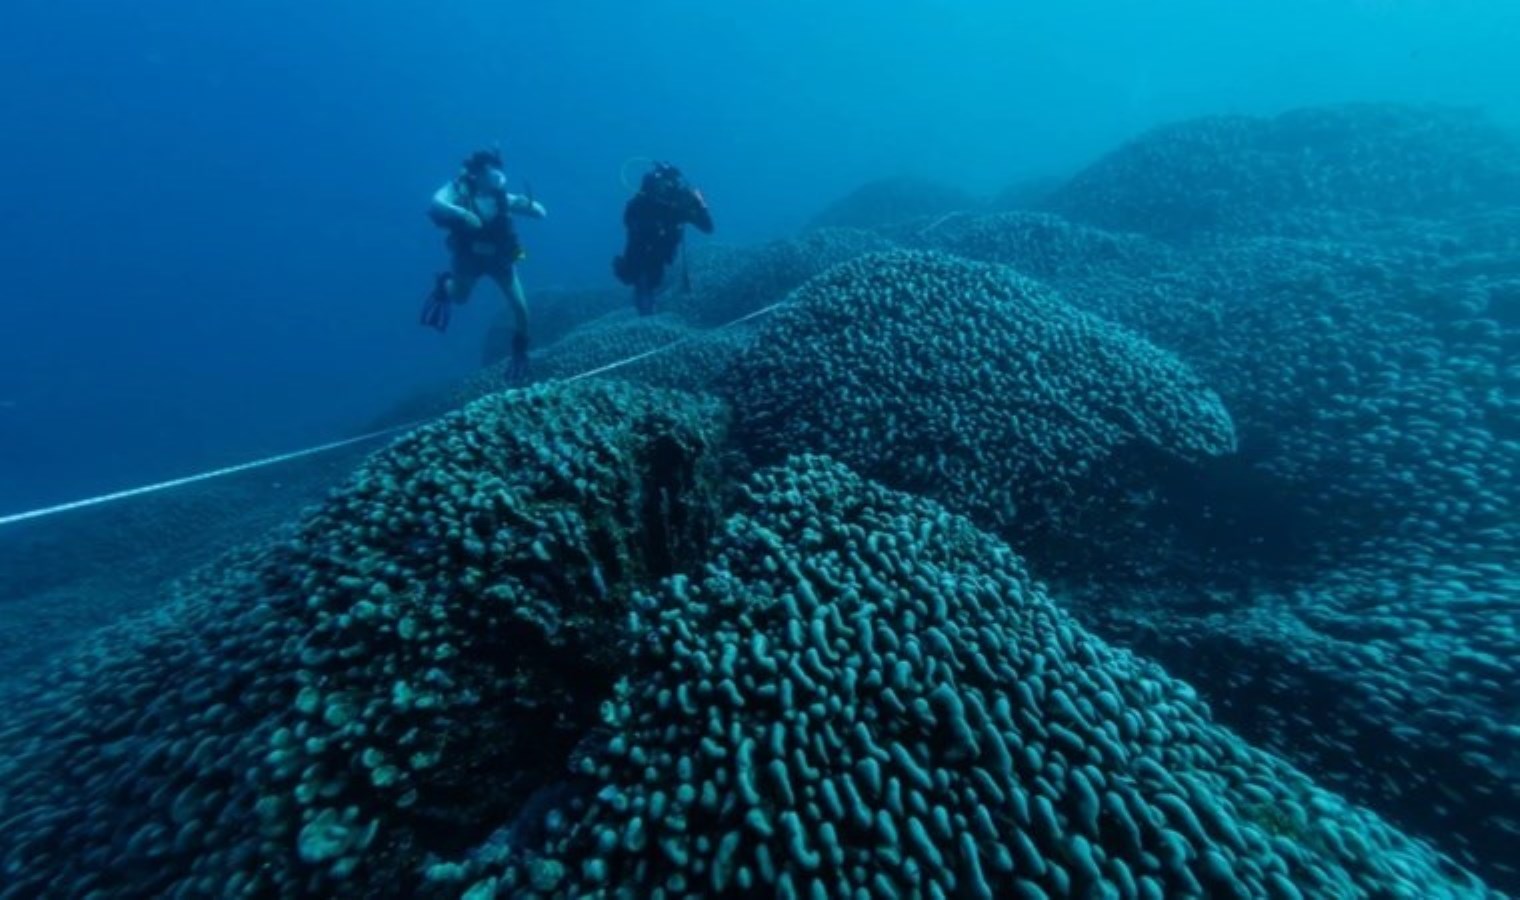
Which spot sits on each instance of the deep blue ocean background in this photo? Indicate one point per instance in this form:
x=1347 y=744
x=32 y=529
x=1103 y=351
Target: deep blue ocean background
x=214 y=244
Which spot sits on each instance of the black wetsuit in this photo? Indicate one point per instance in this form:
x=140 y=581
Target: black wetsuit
x=654 y=218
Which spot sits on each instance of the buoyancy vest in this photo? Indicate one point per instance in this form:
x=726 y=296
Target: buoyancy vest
x=497 y=236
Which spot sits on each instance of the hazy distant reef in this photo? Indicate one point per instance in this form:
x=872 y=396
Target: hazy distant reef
x=891 y=200
x=1289 y=174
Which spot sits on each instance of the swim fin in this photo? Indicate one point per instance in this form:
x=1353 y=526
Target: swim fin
x=436 y=307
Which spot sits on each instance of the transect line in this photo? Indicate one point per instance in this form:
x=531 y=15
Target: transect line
x=670 y=346
x=192 y=479
x=324 y=448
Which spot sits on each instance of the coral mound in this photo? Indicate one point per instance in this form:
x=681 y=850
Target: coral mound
x=553 y=313
x=657 y=351
x=892 y=200
x=865 y=696
x=392 y=683
x=1046 y=247
x=680 y=356
x=728 y=283
x=1297 y=173
x=969 y=384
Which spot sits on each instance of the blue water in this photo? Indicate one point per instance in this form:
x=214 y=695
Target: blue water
x=214 y=243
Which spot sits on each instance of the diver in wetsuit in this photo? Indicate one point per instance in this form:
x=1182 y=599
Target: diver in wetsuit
x=654 y=218
x=476 y=210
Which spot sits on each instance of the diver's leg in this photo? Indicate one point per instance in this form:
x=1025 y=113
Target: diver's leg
x=649 y=288
x=462 y=278
x=517 y=300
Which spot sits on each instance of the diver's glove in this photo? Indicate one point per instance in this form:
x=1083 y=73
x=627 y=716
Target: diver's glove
x=436 y=306
x=517 y=366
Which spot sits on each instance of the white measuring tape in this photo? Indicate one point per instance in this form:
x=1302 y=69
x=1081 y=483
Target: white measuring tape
x=324 y=448
x=203 y=476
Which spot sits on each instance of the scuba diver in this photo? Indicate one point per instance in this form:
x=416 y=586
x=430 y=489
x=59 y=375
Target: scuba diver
x=476 y=209
x=654 y=218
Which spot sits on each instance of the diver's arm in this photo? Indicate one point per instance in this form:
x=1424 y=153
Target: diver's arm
x=526 y=206
x=444 y=210
x=635 y=211
x=697 y=212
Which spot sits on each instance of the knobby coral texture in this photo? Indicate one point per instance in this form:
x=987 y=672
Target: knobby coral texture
x=864 y=695
x=729 y=282
x=871 y=595
x=1365 y=361
x=972 y=385
x=388 y=683
x=1303 y=172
